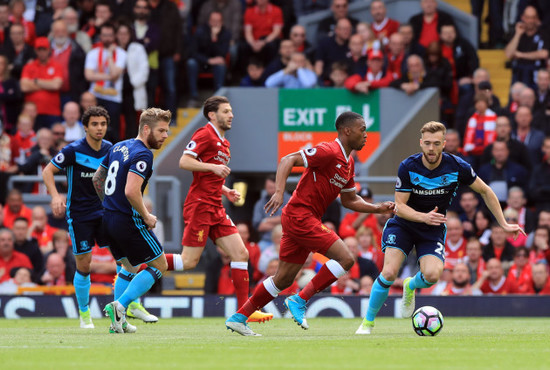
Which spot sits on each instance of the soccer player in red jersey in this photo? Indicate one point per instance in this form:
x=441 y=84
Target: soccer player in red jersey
x=329 y=173
x=207 y=156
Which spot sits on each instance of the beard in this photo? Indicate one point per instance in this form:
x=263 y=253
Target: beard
x=141 y=16
x=152 y=142
x=437 y=156
x=72 y=28
x=460 y=284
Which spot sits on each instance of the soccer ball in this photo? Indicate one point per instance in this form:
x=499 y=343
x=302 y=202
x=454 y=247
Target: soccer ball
x=427 y=321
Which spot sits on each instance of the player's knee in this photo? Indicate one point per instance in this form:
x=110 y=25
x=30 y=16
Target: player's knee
x=389 y=274
x=347 y=262
x=432 y=275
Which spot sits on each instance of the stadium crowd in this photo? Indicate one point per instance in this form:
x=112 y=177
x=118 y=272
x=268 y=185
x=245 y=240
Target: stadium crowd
x=58 y=59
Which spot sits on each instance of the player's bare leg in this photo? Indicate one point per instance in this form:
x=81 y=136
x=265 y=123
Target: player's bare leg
x=431 y=268
x=234 y=247
x=341 y=260
x=264 y=293
x=393 y=259
x=82 y=283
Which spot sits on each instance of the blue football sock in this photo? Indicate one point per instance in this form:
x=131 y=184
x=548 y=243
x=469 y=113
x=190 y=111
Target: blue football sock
x=139 y=285
x=378 y=295
x=123 y=280
x=418 y=281
x=81 y=282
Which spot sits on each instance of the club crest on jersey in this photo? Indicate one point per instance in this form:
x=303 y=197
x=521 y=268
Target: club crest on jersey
x=192 y=145
x=310 y=151
x=391 y=239
x=60 y=158
x=141 y=166
x=84 y=245
x=444 y=180
x=200 y=235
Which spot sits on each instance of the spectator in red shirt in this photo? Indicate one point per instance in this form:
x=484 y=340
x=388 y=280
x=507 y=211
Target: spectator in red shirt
x=493 y=281
x=55 y=271
x=473 y=259
x=40 y=229
x=262 y=28
x=41 y=81
x=103 y=267
x=540 y=280
x=9 y=257
x=382 y=26
x=481 y=128
x=17 y=8
x=15 y=208
x=455 y=243
x=375 y=77
x=460 y=281
x=396 y=56
x=427 y=24
x=499 y=247
x=520 y=272
x=23 y=140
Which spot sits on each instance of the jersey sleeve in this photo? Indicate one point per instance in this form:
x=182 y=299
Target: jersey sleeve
x=403 y=183
x=65 y=158
x=466 y=174
x=105 y=162
x=198 y=144
x=142 y=164
x=316 y=157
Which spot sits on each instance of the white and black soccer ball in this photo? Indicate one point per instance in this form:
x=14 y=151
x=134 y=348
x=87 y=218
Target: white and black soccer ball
x=427 y=321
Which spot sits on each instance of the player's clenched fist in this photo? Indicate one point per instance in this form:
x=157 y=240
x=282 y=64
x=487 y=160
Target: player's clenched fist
x=221 y=170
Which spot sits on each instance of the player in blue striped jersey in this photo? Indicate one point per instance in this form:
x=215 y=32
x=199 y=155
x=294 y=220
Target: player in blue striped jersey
x=83 y=209
x=120 y=181
x=426 y=184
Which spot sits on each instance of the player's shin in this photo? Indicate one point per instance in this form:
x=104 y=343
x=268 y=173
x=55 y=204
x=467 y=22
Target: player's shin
x=241 y=282
x=263 y=294
x=378 y=296
x=328 y=274
x=81 y=282
x=123 y=280
x=140 y=285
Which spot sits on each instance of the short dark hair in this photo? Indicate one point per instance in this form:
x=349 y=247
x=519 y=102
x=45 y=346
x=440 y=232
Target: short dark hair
x=346 y=119
x=21 y=219
x=107 y=24
x=95 y=111
x=212 y=104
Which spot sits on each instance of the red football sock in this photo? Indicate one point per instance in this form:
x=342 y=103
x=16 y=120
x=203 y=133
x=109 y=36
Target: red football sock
x=170 y=260
x=320 y=282
x=241 y=284
x=260 y=298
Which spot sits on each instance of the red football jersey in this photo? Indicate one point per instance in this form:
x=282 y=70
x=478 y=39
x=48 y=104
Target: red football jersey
x=328 y=172
x=208 y=146
x=502 y=287
x=455 y=253
x=522 y=280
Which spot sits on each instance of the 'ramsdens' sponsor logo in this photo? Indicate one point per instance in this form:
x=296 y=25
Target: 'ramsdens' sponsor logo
x=430 y=192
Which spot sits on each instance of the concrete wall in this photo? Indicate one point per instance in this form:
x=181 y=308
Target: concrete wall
x=400 y=10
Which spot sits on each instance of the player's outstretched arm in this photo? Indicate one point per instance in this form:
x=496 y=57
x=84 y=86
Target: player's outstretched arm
x=283 y=171
x=190 y=163
x=99 y=181
x=132 y=191
x=58 y=205
x=352 y=201
x=433 y=217
x=492 y=202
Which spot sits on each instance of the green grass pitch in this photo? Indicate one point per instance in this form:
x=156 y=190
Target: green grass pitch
x=330 y=343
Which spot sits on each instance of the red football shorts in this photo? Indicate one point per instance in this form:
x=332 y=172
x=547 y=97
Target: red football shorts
x=203 y=221
x=304 y=235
